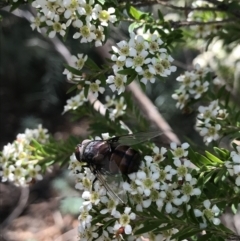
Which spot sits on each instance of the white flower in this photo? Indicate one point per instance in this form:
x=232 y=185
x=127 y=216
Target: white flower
x=182 y=99
x=147 y=76
x=104 y=16
x=41 y=134
x=137 y=44
x=119 y=109
x=199 y=89
x=7 y=173
x=86 y=32
x=75 y=166
x=159 y=154
x=84 y=180
x=187 y=80
x=118 y=64
x=110 y=101
x=94 y=88
x=85 y=218
x=201 y=72
x=189 y=190
x=157 y=67
x=138 y=60
x=92 y=197
x=179 y=152
x=111 y=205
x=74 y=102
x=123 y=50
x=34 y=172
x=182 y=169
x=210 y=213
x=70 y=7
x=209 y=132
x=167 y=173
x=87 y=233
x=166 y=63
x=117 y=82
x=124 y=220
x=57 y=27
x=37 y=21
x=154 y=44
x=171 y=196
x=99 y=36
x=86 y=9
x=79 y=61
x=207 y=113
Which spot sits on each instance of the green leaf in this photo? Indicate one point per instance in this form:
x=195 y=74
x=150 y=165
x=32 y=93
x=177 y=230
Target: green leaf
x=91 y=64
x=213 y=158
x=219 y=175
x=227 y=97
x=98 y=219
x=203 y=160
x=167 y=227
x=86 y=88
x=155 y=213
x=108 y=223
x=131 y=78
x=186 y=233
x=160 y=15
x=136 y=14
x=148 y=227
x=194 y=158
x=205 y=237
x=73 y=70
x=127 y=71
x=102 y=2
x=223 y=153
x=72 y=89
x=134 y=25
x=208 y=177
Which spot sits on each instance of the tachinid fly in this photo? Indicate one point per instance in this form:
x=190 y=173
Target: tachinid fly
x=113 y=156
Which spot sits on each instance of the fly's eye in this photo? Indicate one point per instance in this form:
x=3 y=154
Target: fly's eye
x=77 y=152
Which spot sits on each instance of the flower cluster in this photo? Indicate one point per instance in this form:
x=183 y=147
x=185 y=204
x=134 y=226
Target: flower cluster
x=208 y=121
x=193 y=85
x=89 y=18
x=147 y=58
x=167 y=185
x=18 y=160
x=115 y=107
x=160 y=184
x=204 y=28
x=233 y=165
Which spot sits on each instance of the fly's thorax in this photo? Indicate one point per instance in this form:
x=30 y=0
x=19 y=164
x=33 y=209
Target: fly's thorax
x=95 y=151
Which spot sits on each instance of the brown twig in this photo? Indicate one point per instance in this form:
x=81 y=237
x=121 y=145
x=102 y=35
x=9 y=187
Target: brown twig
x=226 y=7
x=18 y=209
x=187 y=8
x=192 y=23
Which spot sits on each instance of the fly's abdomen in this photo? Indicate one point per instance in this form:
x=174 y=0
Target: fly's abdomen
x=125 y=160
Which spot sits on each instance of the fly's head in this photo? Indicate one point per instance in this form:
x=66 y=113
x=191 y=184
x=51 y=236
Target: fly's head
x=79 y=150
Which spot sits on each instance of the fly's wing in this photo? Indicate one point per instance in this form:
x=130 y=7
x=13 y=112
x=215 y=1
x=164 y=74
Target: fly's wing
x=112 y=182
x=113 y=185
x=136 y=138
